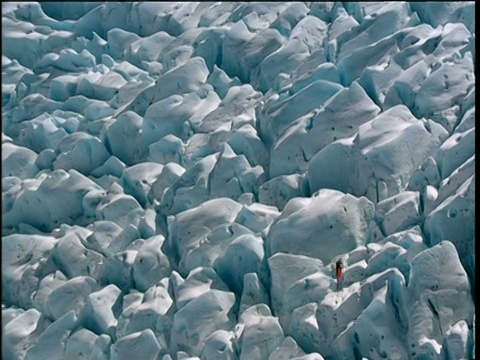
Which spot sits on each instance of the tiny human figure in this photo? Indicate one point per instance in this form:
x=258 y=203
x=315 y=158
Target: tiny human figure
x=339 y=269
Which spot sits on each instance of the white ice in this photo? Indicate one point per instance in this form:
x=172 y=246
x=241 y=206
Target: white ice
x=180 y=178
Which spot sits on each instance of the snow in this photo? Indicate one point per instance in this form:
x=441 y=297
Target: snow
x=179 y=180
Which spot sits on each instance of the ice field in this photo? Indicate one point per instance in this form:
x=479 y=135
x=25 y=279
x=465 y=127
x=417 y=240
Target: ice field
x=179 y=180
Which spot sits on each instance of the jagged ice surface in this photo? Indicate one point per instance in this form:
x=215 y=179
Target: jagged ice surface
x=179 y=179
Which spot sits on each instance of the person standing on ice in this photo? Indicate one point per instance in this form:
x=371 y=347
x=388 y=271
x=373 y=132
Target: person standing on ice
x=339 y=271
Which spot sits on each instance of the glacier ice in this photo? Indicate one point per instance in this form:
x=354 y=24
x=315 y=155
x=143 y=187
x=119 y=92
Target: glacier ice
x=71 y=295
x=129 y=346
x=51 y=342
x=307 y=231
x=199 y=318
x=179 y=180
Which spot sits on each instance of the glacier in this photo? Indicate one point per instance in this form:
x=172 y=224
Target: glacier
x=180 y=178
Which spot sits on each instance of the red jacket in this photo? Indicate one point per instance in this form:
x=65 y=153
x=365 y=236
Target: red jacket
x=339 y=271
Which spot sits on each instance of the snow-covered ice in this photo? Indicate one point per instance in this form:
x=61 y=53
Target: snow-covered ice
x=180 y=178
